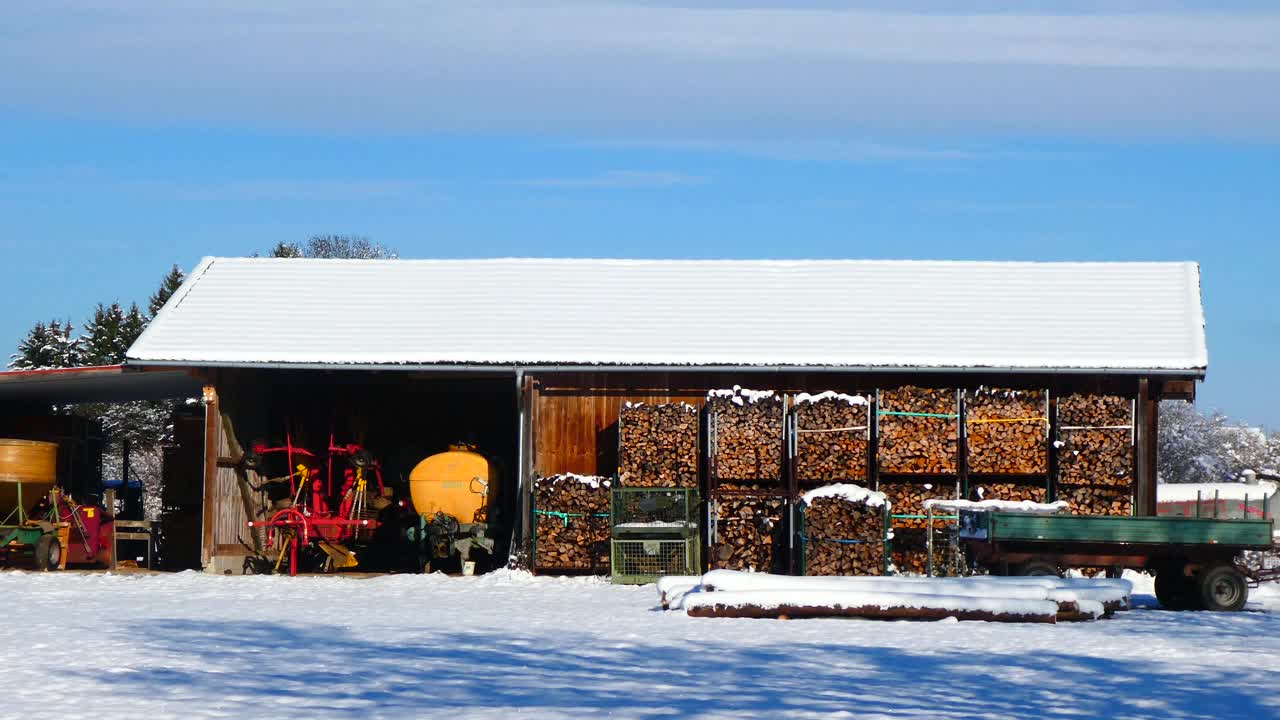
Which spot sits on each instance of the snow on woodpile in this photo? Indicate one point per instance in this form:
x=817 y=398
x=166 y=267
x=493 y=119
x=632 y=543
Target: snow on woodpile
x=845 y=491
x=723 y=593
x=1019 y=506
x=844 y=530
x=831 y=395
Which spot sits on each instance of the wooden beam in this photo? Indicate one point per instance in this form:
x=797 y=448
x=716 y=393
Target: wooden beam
x=1178 y=390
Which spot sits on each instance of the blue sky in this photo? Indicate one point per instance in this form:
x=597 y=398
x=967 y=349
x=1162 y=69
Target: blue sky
x=138 y=134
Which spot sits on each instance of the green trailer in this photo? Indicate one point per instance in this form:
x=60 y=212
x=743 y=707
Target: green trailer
x=1195 y=560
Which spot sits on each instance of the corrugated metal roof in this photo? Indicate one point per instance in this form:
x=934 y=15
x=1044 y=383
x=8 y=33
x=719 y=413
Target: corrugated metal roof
x=836 y=313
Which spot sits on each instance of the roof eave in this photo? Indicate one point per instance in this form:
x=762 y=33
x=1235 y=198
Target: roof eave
x=1190 y=373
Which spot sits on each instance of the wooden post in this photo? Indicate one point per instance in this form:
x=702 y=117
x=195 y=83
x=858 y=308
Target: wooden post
x=1150 y=498
x=1144 y=448
x=212 y=428
x=527 y=398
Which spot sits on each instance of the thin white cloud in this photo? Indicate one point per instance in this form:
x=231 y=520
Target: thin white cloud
x=615 y=179
x=81 y=178
x=1003 y=207
x=817 y=150
x=588 y=68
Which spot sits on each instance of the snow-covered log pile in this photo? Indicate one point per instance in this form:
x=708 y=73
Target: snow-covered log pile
x=747 y=429
x=572 y=532
x=658 y=445
x=749 y=532
x=1007 y=431
x=844 y=530
x=918 y=431
x=831 y=438
x=1004 y=599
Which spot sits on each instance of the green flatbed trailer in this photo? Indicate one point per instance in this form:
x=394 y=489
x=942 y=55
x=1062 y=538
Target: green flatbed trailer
x=1195 y=560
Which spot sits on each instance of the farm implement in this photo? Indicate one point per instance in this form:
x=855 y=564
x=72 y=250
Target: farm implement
x=304 y=530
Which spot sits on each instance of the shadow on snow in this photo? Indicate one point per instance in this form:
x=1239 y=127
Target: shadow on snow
x=323 y=668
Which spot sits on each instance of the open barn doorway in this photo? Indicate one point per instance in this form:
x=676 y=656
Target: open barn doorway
x=329 y=422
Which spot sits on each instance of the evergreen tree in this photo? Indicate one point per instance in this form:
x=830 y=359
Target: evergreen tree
x=132 y=325
x=46 y=346
x=168 y=286
x=101 y=342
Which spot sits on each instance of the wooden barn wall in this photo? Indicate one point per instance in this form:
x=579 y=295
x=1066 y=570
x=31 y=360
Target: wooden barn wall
x=575 y=415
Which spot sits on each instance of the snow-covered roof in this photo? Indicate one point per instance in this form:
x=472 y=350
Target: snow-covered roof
x=714 y=313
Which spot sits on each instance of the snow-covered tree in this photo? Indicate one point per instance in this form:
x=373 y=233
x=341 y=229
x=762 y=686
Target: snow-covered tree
x=350 y=247
x=1211 y=448
x=145 y=425
x=110 y=332
x=168 y=286
x=46 y=346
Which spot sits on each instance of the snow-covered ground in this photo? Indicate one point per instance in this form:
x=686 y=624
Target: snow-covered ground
x=507 y=644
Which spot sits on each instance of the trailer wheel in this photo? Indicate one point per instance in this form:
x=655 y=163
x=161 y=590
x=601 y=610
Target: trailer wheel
x=1174 y=590
x=1039 y=568
x=1222 y=588
x=48 y=553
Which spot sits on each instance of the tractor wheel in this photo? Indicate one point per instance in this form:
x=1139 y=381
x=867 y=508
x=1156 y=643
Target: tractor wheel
x=1039 y=568
x=1222 y=588
x=48 y=553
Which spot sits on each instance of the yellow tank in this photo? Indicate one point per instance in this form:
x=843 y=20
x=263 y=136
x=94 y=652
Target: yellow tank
x=457 y=483
x=32 y=463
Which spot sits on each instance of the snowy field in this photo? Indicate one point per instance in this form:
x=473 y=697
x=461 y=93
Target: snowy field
x=510 y=645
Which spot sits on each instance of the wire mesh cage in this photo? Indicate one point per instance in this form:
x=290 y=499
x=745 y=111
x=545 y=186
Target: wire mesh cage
x=655 y=512
x=636 y=562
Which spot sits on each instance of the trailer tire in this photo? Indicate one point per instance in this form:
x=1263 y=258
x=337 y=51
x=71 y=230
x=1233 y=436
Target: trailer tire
x=1222 y=588
x=48 y=553
x=1173 y=589
x=1039 y=568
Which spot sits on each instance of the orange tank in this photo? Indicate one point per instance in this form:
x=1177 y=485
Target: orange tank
x=458 y=483
x=27 y=470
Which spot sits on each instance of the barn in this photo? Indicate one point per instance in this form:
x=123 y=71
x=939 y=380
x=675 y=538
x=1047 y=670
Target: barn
x=531 y=360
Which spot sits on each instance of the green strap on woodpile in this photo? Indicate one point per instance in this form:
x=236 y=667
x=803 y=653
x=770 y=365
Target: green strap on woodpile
x=918 y=414
x=565 y=516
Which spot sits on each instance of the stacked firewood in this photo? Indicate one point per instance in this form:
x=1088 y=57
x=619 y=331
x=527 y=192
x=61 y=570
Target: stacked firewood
x=908 y=498
x=1096 y=440
x=1094 y=500
x=572 y=530
x=1007 y=431
x=844 y=531
x=831 y=439
x=747 y=427
x=658 y=445
x=918 y=432
x=911 y=552
x=749 y=533
x=1095 y=454
x=1015 y=492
